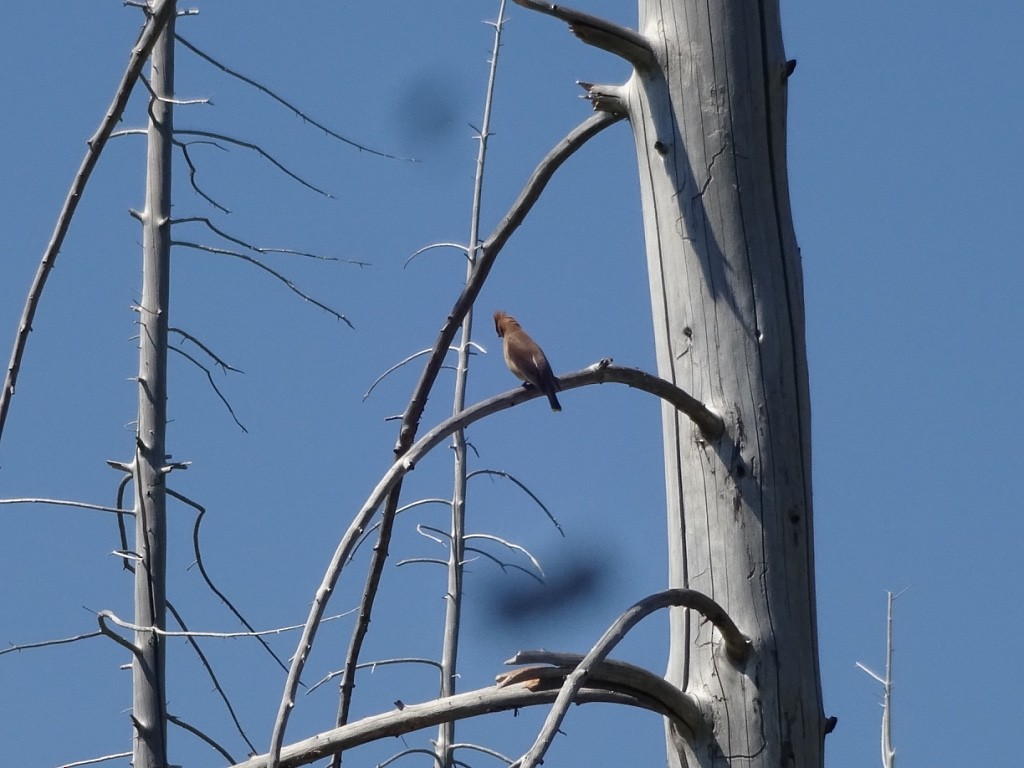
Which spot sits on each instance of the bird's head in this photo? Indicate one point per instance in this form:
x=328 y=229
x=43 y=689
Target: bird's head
x=504 y=323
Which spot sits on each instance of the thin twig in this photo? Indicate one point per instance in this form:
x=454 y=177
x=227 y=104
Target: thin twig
x=154 y=96
x=191 y=640
x=47 y=643
x=259 y=249
x=466 y=251
x=257 y=263
x=103 y=615
x=485 y=750
x=198 y=733
x=156 y=20
x=372 y=666
x=275 y=97
x=216 y=359
x=95 y=760
x=258 y=150
x=522 y=486
x=209 y=377
x=192 y=171
x=396 y=366
x=209 y=581
x=405 y=753
x=504 y=565
x=508 y=545
x=68 y=503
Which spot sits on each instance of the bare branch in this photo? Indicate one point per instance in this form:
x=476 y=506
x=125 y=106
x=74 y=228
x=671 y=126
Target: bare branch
x=192 y=171
x=413 y=717
x=618 y=675
x=391 y=484
x=209 y=581
x=166 y=100
x=426 y=248
x=522 y=486
x=256 y=262
x=504 y=565
x=372 y=665
x=736 y=644
x=257 y=249
x=488 y=253
x=156 y=20
x=508 y=545
x=48 y=643
x=209 y=377
x=101 y=618
x=600 y=33
x=258 y=150
x=392 y=479
x=103 y=615
x=288 y=105
x=68 y=503
x=396 y=366
x=95 y=760
x=485 y=750
x=216 y=685
x=216 y=359
x=195 y=731
x=406 y=753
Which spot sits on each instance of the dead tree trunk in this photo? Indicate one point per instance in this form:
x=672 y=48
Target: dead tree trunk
x=709 y=121
x=149 y=715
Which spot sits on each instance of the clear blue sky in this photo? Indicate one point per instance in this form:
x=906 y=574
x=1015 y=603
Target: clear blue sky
x=905 y=168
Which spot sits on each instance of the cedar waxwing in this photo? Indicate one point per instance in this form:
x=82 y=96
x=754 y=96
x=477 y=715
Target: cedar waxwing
x=525 y=359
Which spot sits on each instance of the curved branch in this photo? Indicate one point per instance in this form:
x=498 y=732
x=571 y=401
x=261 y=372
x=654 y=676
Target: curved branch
x=404 y=448
x=523 y=488
x=101 y=618
x=617 y=675
x=201 y=510
x=489 y=251
x=406 y=718
x=259 y=151
x=708 y=421
x=213 y=384
x=156 y=20
x=205 y=662
x=283 y=102
x=372 y=665
x=406 y=463
x=201 y=736
x=736 y=643
x=280 y=277
x=600 y=33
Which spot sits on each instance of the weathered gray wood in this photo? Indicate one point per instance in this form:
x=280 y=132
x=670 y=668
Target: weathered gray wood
x=149 y=714
x=727 y=296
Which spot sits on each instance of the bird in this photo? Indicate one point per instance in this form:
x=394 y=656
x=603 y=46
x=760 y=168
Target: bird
x=525 y=359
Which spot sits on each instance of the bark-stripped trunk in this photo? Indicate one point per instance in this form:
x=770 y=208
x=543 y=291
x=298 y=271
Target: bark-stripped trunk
x=726 y=287
x=149 y=715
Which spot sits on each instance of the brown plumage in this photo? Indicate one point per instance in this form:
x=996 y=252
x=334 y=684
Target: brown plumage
x=525 y=359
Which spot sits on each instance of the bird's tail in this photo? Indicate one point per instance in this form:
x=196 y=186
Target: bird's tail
x=550 y=392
